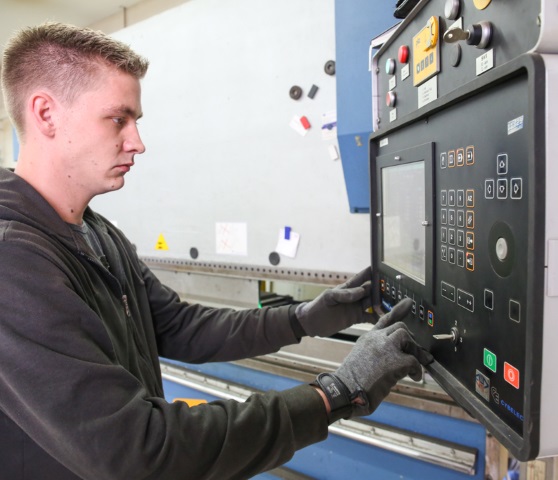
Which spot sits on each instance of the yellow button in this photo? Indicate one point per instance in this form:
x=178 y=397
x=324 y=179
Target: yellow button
x=481 y=4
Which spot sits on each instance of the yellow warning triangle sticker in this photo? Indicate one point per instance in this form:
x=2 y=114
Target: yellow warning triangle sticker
x=161 y=243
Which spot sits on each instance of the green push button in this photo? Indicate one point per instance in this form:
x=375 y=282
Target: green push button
x=489 y=360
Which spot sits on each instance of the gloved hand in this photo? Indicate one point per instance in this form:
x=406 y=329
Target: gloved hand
x=337 y=308
x=379 y=359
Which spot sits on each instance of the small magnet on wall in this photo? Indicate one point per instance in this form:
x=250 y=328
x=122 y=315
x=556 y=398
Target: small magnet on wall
x=313 y=91
x=274 y=258
x=295 y=92
x=305 y=123
x=287 y=233
x=329 y=67
x=194 y=253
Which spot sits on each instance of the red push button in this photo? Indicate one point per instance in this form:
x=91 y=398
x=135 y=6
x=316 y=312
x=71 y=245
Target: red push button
x=403 y=54
x=511 y=375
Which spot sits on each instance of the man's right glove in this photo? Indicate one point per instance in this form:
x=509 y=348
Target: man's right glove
x=379 y=359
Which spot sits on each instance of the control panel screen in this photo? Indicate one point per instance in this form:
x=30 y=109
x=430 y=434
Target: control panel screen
x=403 y=205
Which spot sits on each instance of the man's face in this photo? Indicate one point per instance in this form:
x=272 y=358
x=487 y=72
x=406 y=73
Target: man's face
x=97 y=134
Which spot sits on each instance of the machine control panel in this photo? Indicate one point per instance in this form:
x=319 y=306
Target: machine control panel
x=458 y=177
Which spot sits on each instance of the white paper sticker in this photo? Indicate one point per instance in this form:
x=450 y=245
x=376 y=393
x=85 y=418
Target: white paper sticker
x=405 y=72
x=428 y=92
x=392 y=82
x=384 y=142
x=393 y=115
x=287 y=244
x=485 y=62
x=231 y=238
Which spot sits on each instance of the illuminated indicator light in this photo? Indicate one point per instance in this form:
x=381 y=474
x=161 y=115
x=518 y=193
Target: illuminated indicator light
x=511 y=375
x=489 y=360
x=430 y=318
x=403 y=54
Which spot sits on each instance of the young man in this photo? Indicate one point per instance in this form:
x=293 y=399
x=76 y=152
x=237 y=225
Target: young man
x=83 y=320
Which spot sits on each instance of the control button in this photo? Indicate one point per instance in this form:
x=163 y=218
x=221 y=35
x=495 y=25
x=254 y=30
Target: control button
x=460 y=238
x=444 y=216
x=470 y=198
x=460 y=157
x=444 y=234
x=430 y=318
x=443 y=198
x=383 y=285
x=489 y=188
x=451 y=255
x=465 y=300
x=470 y=241
x=451 y=236
x=421 y=312
x=470 y=155
x=403 y=54
x=515 y=311
x=489 y=360
x=470 y=219
x=460 y=258
x=460 y=198
x=502 y=249
x=448 y=291
x=470 y=261
x=451 y=216
x=455 y=55
x=488 y=299
x=451 y=9
x=391 y=99
x=460 y=218
x=502 y=162
x=444 y=253
x=414 y=308
x=451 y=198
x=399 y=296
x=516 y=188
x=511 y=375
x=502 y=193
x=390 y=66
x=393 y=292
x=388 y=289
x=443 y=160
x=451 y=159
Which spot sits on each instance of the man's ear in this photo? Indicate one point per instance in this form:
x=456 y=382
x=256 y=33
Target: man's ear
x=42 y=109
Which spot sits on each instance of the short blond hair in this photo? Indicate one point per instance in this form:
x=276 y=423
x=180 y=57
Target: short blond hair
x=63 y=58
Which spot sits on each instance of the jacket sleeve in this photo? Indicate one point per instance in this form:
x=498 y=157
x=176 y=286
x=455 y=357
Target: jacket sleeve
x=195 y=334
x=62 y=383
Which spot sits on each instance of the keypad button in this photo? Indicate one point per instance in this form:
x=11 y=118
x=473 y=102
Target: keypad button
x=470 y=155
x=470 y=219
x=515 y=311
x=451 y=159
x=460 y=238
x=488 y=299
x=451 y=236
x=448 y=291
x=460 y=258
x=516 y=188
x=489 y=360
x=502 y=188
x=444 y=216
x=460 y=218
x=460 y=198
x=470 y=261
x=465 y=300
x=444 y=198
x=460 y=157
x=444 y=235
x=443 y=160
x=451 y=217
x=511 y=375
x=489 y=188
x=451 y=255
x=444 y=253
x=502 y=163
x=470 y=241
x=470 y=198
x=451 y=198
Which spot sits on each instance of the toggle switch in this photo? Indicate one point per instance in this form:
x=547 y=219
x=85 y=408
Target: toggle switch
x=478 y=34
x=453 y=336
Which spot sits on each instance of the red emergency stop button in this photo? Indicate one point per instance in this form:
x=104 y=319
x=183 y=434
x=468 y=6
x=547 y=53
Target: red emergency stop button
x=403 y=54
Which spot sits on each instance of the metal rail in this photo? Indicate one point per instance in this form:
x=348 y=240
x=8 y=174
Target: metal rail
x=445 y=454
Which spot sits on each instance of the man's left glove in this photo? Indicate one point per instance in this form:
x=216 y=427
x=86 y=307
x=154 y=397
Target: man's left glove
x=338 y=308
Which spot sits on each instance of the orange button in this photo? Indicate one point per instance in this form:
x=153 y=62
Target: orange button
x=511 y=375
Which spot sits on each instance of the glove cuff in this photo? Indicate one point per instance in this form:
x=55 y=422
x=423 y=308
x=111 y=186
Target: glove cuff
x=337 y=394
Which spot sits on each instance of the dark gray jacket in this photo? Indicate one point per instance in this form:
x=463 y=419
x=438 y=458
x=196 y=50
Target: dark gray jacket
x=80 y=385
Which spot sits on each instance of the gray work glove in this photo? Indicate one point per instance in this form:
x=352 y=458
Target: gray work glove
x=379 y=359
x=337 y=308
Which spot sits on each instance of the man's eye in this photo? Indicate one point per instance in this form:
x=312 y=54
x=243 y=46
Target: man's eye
x=118 y=120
